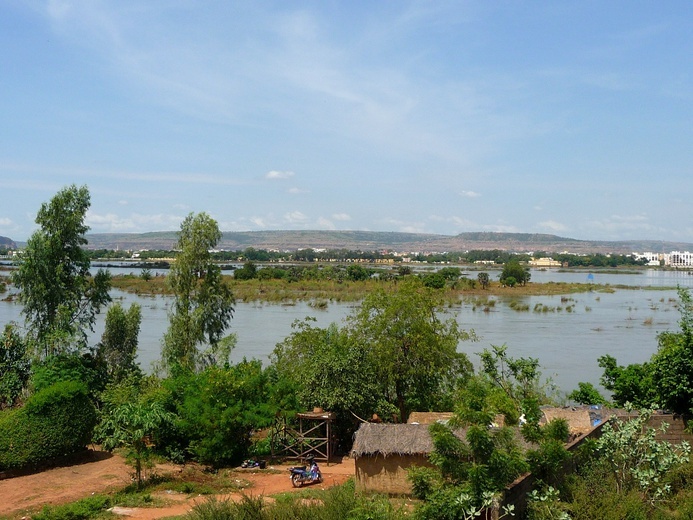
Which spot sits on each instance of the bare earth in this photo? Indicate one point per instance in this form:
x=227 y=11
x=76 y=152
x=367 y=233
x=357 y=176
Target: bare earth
x=102 y=472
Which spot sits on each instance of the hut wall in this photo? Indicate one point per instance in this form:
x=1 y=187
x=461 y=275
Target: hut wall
x=388 y=475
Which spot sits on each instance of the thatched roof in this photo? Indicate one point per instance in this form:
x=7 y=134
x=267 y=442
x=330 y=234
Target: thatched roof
x=392 y=439
x=429 y=417
x=578 y=419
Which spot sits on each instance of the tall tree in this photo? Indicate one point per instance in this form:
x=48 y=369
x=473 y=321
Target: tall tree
x=514 y=273
x=413 y=350
x=118 y=346
x=60 y=297
x=203 y=305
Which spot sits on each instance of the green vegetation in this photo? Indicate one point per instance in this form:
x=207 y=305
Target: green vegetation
x=60 y=298
x=203 y=304
x=394 y=354
x=54 y=422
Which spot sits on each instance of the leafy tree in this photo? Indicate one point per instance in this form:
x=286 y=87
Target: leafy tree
x=83 y=368
x=357 y=273
x=203 y=303
x=118 y=346
x=637 y=460
x=433 y=280
x=672 y=364
x=14 y=366
x=450 y=273
x=247 y=272
x=586 y=393
x=484 y=280
x=470 y=470
x=218 y=409
x=413 y=350
x=60 y=297
x=512 y=270
x=631 y=384
x=134 y=426
x=327 y=368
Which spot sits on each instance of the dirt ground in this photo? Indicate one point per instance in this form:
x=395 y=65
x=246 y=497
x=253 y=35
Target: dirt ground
x=101 y=472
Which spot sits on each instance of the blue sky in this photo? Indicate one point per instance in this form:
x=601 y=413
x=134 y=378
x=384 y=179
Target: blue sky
x=570 y=118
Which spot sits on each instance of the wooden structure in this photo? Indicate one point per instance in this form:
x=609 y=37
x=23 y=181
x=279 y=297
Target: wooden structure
x=313 y=437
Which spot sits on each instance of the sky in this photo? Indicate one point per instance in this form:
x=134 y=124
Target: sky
x=561 y=117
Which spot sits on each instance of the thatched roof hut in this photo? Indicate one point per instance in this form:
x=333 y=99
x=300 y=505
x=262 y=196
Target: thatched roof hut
x=392 y=439
x=384 y=453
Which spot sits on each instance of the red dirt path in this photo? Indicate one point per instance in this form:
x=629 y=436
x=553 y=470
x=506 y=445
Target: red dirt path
x=101 y=472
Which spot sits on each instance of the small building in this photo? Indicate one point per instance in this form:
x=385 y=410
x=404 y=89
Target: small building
x=384 y=452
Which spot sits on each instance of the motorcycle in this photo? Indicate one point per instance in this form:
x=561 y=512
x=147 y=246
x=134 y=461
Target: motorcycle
x=300 y=475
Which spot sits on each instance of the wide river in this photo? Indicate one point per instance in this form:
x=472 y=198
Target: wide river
x=567 y=336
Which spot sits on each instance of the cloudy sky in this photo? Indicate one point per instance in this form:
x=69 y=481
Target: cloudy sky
x=562 y=117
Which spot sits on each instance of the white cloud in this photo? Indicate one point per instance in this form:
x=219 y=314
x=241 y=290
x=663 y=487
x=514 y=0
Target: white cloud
x=277 y=174
x=552 y=225
x=343 y=217
x=5 y=222
x=324 y=223
x=259 y=222
x=136 y=222
x=123 y=202
x=470 y=194
x=296 y=191
x=295 y=217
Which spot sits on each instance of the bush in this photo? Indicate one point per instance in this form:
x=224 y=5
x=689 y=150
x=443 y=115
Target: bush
x=70 y=367
x=56 y=421
x=218 y=410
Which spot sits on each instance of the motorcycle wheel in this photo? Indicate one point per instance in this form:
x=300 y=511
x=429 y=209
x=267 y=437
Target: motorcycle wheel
x=319 y=478
x=296 y=480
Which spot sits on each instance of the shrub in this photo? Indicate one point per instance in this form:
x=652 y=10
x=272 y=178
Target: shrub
x=56 y=421
x=69 y=367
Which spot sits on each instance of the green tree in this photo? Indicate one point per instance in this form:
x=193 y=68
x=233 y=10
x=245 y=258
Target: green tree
x=672 y=364
x=433 y=280
x=636 y=458
x=118 y=346
x=513 y=270
x=586 y=393
x=247 y=272
x=484 y=280
x=413 y=350
x=219 y=408
x=327 y=368
x=357 y=273
x=14 y=366
x=134 y=426
x=60 y=297
x=203 y=303
x=630 y=384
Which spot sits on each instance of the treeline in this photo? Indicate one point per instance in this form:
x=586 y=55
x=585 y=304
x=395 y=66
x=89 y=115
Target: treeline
x=496 y=256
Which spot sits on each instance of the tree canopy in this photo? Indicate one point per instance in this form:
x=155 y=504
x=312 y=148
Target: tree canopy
x=60 y=297
x=203 y=302
x=413 y=351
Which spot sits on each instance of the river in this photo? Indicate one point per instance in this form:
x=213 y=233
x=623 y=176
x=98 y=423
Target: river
x=567 y=335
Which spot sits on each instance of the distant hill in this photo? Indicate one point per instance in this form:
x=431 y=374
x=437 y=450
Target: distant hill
x=391 y=241
x=7 y=243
